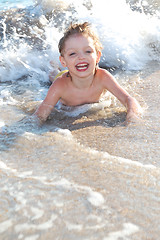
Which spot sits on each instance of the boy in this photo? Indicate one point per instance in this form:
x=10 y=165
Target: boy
x=80 y=51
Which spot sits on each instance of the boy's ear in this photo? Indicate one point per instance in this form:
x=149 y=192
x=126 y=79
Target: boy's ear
x=61 y=59
x=98 y=56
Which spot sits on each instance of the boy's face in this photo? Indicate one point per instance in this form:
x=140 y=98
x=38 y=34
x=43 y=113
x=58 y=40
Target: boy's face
x=79 y=55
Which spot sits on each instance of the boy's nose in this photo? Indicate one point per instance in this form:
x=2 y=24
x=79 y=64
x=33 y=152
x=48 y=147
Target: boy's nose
x=80 y=55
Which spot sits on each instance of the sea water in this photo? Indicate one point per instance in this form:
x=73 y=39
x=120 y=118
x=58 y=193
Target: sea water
x=84 y=174
x=4 y=5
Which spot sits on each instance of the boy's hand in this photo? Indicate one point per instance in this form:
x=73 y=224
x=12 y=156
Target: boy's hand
x=134 y=111
x=132 y=117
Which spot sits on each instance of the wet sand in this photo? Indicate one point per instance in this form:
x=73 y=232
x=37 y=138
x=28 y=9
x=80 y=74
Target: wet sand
x=138 y=141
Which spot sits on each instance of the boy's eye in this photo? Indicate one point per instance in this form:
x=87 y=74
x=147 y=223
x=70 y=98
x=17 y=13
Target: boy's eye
x=71 y=54
x=88 y=51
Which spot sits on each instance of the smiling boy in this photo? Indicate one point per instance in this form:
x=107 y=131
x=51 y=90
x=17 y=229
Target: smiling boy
x=80 y=52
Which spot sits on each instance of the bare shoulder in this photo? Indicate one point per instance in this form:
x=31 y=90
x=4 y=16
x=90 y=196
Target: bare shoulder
x=104 y=76
x=57 y=89
x=103 y=73
x=61 y=82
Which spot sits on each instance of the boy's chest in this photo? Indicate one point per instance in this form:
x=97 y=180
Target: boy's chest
x=81 y=96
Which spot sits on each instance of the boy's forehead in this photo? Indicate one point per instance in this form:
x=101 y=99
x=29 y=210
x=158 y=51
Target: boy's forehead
x=80 y=38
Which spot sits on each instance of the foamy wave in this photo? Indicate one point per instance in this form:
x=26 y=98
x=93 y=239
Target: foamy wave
x=77 y=110
x=130 y=38
x=5 y=225
x=128 y=229
x=49 y=5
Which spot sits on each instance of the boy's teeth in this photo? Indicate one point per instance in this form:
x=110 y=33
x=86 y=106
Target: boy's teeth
x=81 y=66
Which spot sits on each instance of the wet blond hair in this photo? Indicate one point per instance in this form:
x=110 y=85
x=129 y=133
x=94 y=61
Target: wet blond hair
x=80 y=28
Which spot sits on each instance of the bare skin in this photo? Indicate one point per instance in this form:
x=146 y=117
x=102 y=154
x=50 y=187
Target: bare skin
x=85 y=83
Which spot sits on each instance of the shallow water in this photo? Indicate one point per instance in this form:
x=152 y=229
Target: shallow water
x=15 y=4
x=84 y=177
x=84 y=174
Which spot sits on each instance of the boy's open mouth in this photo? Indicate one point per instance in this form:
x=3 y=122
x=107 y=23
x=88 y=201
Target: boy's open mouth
x=82 y=66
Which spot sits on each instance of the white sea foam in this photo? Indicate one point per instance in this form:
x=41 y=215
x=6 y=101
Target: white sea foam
x=43 y=226
x=2 y=124
x=6 y=97
x=5 y=167
x=32 y=237
x=74 y=227
x=5 y=225
x=96 y=198
x=72 y=111
x=20 y=198
x=97 y=222
x=38 y=213
x=130 y=38
x=64 y=132
x=75 y=111
x=126 y=35
x=128 y=229
x=130 y=162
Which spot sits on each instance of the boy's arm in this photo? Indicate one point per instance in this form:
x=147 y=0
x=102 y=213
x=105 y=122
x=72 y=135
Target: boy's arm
x=45 y=108
x=131 y=104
